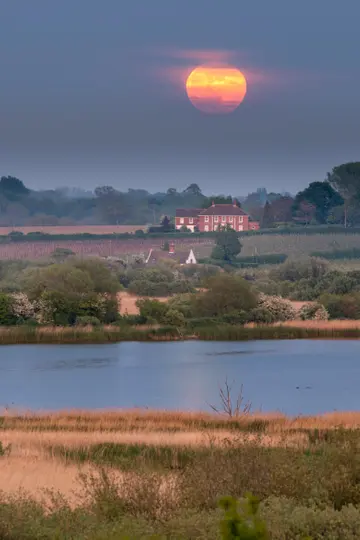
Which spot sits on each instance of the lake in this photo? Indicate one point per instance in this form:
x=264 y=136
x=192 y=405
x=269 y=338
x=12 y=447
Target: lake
x=292 y=376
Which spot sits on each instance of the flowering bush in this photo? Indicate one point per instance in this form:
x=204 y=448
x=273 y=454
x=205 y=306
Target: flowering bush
x=21 y=306
x=313 y=312
x=272 y=309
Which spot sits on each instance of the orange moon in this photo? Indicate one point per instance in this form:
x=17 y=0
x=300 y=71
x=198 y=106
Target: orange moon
x=216 y=90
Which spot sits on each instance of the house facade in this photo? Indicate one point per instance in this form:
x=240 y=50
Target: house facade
x=187 y=217
x=216 y=216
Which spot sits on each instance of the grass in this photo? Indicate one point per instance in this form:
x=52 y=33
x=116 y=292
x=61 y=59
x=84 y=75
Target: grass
x=305 y=472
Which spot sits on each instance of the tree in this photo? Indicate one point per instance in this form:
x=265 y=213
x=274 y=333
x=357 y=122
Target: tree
x=225 y=293
x=13 y=188
x=193 y=189
x=345 y=180
x=7 y=316
x=166 y=225
x=282 y=209
x=267 y=218
x=217 y=199
x=321 y=196
x=227 y=245
x=102 y=279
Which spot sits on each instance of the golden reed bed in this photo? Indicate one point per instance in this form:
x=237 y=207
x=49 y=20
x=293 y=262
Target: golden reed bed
x=30 y=466
x=152 y=421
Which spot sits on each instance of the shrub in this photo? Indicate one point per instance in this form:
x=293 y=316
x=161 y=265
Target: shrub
x=235 y=317
x=261 y=315
x=183 y=303
x=142 y=287
x=173 y=317
x=313 y=312
x=295 y=269
x=7 y=316
x=152 y=310
x=273 y=309
x=241 y=520
x=225 y=293
x=87 y=321
x=346 y=306
x=21 y=307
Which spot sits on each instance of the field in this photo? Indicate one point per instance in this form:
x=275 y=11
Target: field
x=75 y=229
x=297 y=245
x=102 y=248
x=288 y=244
x=135 y=474
x=292 y=245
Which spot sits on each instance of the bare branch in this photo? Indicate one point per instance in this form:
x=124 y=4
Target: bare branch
x=232 y=408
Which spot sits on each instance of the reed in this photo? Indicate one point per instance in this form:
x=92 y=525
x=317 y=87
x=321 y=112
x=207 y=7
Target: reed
x=223 y=332
x=94 y=484
x=147 y=421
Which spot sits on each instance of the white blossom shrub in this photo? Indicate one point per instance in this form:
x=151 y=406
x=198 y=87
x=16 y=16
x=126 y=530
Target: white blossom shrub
x=22 y=307
x=313 y=312
x=273 y=309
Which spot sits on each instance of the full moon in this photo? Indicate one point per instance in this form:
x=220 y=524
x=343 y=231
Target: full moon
x=216 y=90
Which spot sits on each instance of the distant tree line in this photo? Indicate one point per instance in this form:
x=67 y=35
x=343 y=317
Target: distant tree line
x=334 y=200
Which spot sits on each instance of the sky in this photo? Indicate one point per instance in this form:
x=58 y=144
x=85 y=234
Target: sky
x=93 y=93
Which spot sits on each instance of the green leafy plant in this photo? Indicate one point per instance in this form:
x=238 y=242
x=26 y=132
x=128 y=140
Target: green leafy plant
x=241 y=520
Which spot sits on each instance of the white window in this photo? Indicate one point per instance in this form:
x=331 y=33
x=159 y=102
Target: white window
x=206 y=228
x=191 y=220
x=223 y=219
x=230 y=219
x=181 y=220
x=216 y=219
x=206 y=218
x=241 y=219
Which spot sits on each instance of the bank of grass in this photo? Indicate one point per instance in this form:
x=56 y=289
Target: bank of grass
x=139 y=490
x=17 y=335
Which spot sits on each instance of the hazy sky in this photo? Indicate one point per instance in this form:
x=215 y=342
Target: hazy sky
x=92 y=92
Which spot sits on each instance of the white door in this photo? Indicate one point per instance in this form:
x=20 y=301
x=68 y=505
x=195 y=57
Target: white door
x=241 y=227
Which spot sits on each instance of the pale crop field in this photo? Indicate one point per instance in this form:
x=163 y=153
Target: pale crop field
x=75 y=229
x=292 y=244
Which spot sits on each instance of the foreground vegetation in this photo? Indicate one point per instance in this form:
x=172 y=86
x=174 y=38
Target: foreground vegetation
x=140 y=474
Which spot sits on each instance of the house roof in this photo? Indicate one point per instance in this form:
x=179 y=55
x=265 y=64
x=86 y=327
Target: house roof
x=155 y=256
x=188 y=212
x=223 y=210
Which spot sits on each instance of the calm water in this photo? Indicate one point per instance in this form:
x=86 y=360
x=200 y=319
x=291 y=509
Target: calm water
x=291 y=376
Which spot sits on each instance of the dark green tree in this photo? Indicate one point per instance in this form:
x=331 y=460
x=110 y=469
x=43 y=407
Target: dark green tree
x=13 y=188
x=268 y=216
x=7 y=318
x=193 y=189
x=217 y=199
x=227 y=246
x=345 y=180
x=322 y=196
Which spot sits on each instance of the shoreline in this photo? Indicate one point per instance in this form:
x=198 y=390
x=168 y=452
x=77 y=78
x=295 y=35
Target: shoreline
x=22 y=335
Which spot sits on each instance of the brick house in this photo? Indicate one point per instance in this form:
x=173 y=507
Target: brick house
x=188 y=217
x=217 y=215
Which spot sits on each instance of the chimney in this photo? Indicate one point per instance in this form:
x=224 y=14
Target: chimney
x=171 y=248
x=213 y=203
x=235 y=202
